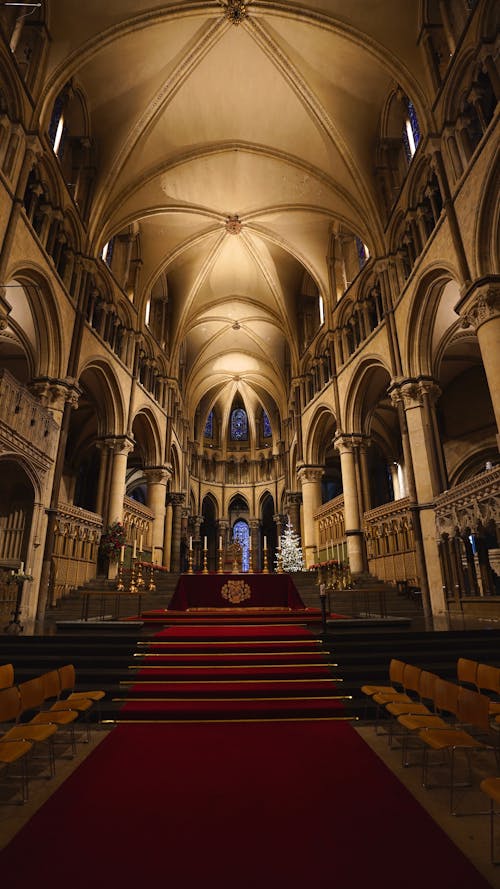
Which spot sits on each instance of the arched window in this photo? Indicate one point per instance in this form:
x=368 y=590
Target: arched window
x=411 y=131
x=107 y=253
x=241 y=534
x=209 y=426
x=266 y=426
x=363 y=253
x=56 y=127
x=239 y=424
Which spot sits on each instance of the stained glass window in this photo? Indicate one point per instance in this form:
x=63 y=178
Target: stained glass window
x=55 y=120
x=266 y=426
x=209 y=426
x=241 y=534
x=362 y=252
x=239 y=424
x=411 y=131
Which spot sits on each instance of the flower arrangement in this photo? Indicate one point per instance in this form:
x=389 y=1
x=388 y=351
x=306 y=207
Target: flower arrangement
x=112 y=540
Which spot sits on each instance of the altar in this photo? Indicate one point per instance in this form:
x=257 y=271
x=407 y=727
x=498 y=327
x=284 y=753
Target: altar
x=248 y=590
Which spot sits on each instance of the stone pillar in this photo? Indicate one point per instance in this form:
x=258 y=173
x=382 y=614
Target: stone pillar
x=293 y=503
x=157 y=480
x=423 y=485
x=105 y=449
x=310 y=480
x=167 y=539
x=354 y=534
x=121 y=449
x=177 y=500
x=480 y=309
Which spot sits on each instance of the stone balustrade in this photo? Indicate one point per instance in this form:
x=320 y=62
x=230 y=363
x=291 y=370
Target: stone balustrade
x=23 y=417
x=390 y=542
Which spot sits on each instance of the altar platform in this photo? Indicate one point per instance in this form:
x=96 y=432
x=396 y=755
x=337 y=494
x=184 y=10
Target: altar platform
x=223 y=591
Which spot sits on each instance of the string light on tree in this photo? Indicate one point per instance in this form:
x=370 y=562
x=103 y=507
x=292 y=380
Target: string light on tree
x=291 y=551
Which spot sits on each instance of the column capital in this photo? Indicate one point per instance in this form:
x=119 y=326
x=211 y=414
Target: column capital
x=176 y=498
x=410 y=392
x=54 y=393
x=480 y=304
x=122 y=444
x=307 y=474
x=157 y=475
x=293 y=498
x=343 y=443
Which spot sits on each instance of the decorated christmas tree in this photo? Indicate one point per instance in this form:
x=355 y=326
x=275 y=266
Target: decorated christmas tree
x=291 y=551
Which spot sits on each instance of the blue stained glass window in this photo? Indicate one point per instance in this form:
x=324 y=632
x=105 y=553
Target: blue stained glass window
x=109 y=252
x=412 y=114
x=360 y=247
x=56 y=117
x=266 y=426
x=239 y=424
x=241 y=533
x=209 y=426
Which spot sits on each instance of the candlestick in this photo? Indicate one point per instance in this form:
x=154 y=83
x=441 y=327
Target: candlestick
x=205 y=566
x=190 y=561
x=120 y=586
x=151 y=584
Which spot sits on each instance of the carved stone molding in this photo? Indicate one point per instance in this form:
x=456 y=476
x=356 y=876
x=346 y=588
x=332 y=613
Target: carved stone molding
x=411 y=392
x=470 y=505
x=157 y=475
x=236 y=11
x=233 y=225
x=480 y=306
x=176 y=498
x=309 y=474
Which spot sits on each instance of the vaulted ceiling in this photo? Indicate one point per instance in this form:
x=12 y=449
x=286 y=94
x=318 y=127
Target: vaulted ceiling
x=235 y=135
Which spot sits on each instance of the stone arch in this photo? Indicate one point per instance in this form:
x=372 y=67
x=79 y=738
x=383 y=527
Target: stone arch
x=322 y=427
x=431 y=315
x=487 y=228
x=364 y=385
x=36 y=321
x=98 y=377
x=147 y=436
x=176 y=461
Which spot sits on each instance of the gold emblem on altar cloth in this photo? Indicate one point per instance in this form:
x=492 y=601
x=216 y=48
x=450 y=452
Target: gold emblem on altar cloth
x=236 y=591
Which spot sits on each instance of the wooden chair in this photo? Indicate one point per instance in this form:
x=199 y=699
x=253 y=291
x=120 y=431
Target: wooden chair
x=396 y=671
x=467 y=673
x=67 y=679
x=12 y=751
x=420 y=687
x=491 y=787
x=488 y=680
x=10 y=712
x=473 y=711
x=32 y=700
x=442 y=697
x=6 y=675
x=52 y=700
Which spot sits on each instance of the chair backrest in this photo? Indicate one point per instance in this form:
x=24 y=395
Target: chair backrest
x=31 y=693
x=51 y=685
x=467 y=671
x=488 y=678
x=10 y=704
x=6 y=675
x=474 y=709
x=411 y=678
x=446 y=696
x=67 y=677
x=427 y=685
x=396 y=671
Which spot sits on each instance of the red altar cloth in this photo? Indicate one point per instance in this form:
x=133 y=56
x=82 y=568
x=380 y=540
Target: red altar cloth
x=205 y=591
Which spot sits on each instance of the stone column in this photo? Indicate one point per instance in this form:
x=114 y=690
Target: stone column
x=104 y=447
x=167 y=539
x=480 y=309
x=310 y=480
x=293 y=503
x=157 y=480
x=121 y=449
x=177 y=500
x=423 y=485
x=354 y=534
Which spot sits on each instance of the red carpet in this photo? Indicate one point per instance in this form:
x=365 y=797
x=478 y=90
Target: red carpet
x=198 y=686
x=234 y=806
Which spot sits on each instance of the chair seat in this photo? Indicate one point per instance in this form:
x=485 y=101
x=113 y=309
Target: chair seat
x=413 y=721
x=491 y=787
x=397 y=708
x=30 y=732
x=60 y=717
x=11 y=751
x=440 y=739
x=378 y=689
x=80 y=704
x=90 y=695
x=388 y=698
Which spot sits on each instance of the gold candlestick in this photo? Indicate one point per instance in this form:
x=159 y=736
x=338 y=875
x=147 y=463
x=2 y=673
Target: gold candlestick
x=280 y=562
x=140 y=580
x=120 y=586
x=190 y=561
x=265 y=567
x=132 y=586
x=220 y=569
x=205 y=566
x=250 y=562
x=151 y=584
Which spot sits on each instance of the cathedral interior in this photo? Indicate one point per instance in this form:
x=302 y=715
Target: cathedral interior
x=249 y=276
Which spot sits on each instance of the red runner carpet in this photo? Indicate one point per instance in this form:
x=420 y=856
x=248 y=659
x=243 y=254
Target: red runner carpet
x=245 y=805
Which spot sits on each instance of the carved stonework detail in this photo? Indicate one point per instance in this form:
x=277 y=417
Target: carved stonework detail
x=411 y=392
x=308 y=474
x=483 y=306
x=233 y=225
x=157 y=475
x=471 y=505
x=236 y=11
